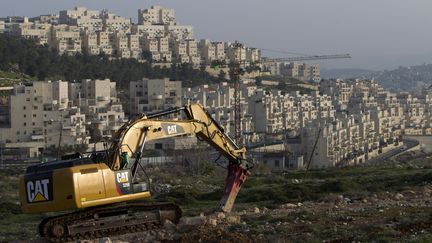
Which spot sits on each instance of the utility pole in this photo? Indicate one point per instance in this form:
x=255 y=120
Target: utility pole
x=1 y=157
x=235 y=70
x=235 y=77
x=60 y=136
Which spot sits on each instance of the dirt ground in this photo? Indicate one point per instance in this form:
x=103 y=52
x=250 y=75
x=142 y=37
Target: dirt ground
x=386 y=217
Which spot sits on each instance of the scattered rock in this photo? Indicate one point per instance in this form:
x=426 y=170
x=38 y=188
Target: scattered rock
x=168 y=225
x=104 y=240
x=192 y=220
x=256 y=210
x=233 y=219
x=288 y=205
x=212 y=222
x=220 y=215
x=189 y=223
x=398 y=196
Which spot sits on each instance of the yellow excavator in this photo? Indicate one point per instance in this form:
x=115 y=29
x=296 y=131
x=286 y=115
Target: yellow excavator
x=101 y=191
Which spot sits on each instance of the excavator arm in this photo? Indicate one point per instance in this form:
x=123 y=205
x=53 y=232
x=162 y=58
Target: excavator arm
x=130 y=140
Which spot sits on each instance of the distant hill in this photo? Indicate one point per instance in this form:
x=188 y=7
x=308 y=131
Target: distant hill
x=405 y=78
x=345 y=73
x=23 y=58
x=399 y=79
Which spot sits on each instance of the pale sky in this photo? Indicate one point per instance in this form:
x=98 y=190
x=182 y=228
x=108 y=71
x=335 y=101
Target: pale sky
x=379 y=34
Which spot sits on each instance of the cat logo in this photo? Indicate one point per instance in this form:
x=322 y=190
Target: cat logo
x=172 y=129
x=123 y=177
x=38 y=190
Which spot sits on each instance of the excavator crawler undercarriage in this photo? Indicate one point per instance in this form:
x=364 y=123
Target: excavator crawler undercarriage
x=108 y=220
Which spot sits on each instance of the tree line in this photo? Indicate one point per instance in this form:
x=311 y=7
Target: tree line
x=44 y=63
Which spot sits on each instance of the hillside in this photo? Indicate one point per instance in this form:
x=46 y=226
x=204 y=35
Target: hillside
x=344 y=73
x=405 y=78
x=25 y=56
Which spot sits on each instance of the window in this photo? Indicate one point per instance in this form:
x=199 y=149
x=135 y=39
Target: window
x=158 y=146
x=24 y=107
x=25 y=123
x=34 y=115
x=277 y=163
x=25 y=115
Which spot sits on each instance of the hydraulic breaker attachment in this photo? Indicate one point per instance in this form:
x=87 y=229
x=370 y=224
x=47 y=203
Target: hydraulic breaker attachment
x=237 y=175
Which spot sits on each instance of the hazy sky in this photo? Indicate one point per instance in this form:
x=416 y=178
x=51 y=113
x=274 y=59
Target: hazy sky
x=377 y=33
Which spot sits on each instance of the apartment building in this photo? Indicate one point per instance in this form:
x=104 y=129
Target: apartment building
x=156 y=15
x=2 y=27
x=65 y=38
x=149 y=31
x=46 y=19
x=40 y=117
x=236 y=52
x=218 y=99
x=300 y=71
x=90 y=42
x=149 y=95
x=207 y=51
x=113 y=22
x=81 y=17
x=179 y=32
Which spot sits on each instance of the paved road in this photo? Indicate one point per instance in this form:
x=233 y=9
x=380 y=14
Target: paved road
x=408 y=144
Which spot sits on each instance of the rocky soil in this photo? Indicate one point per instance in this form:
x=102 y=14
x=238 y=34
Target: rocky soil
x=385 y=217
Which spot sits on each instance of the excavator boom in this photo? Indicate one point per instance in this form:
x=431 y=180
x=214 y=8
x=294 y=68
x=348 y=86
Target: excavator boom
x=131 y=139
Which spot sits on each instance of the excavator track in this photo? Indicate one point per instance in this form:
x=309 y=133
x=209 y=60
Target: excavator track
x=108 y=221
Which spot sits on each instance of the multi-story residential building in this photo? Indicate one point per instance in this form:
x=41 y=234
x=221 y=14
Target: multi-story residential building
x=113 y=22
x=156 y=15
x=82 y=18
x=220 y=51
x=46 y=19
x=2 y=27
x=253 y=55
x=179 y=32
x=300 y=71
x=149 y=31
x=219 y=101
x=29 y=30
x=98 y=100
x=149 y=95
x=65 y=38
x=40 y=116
x=207 y=51
x=90 y=42
x=236 y=52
